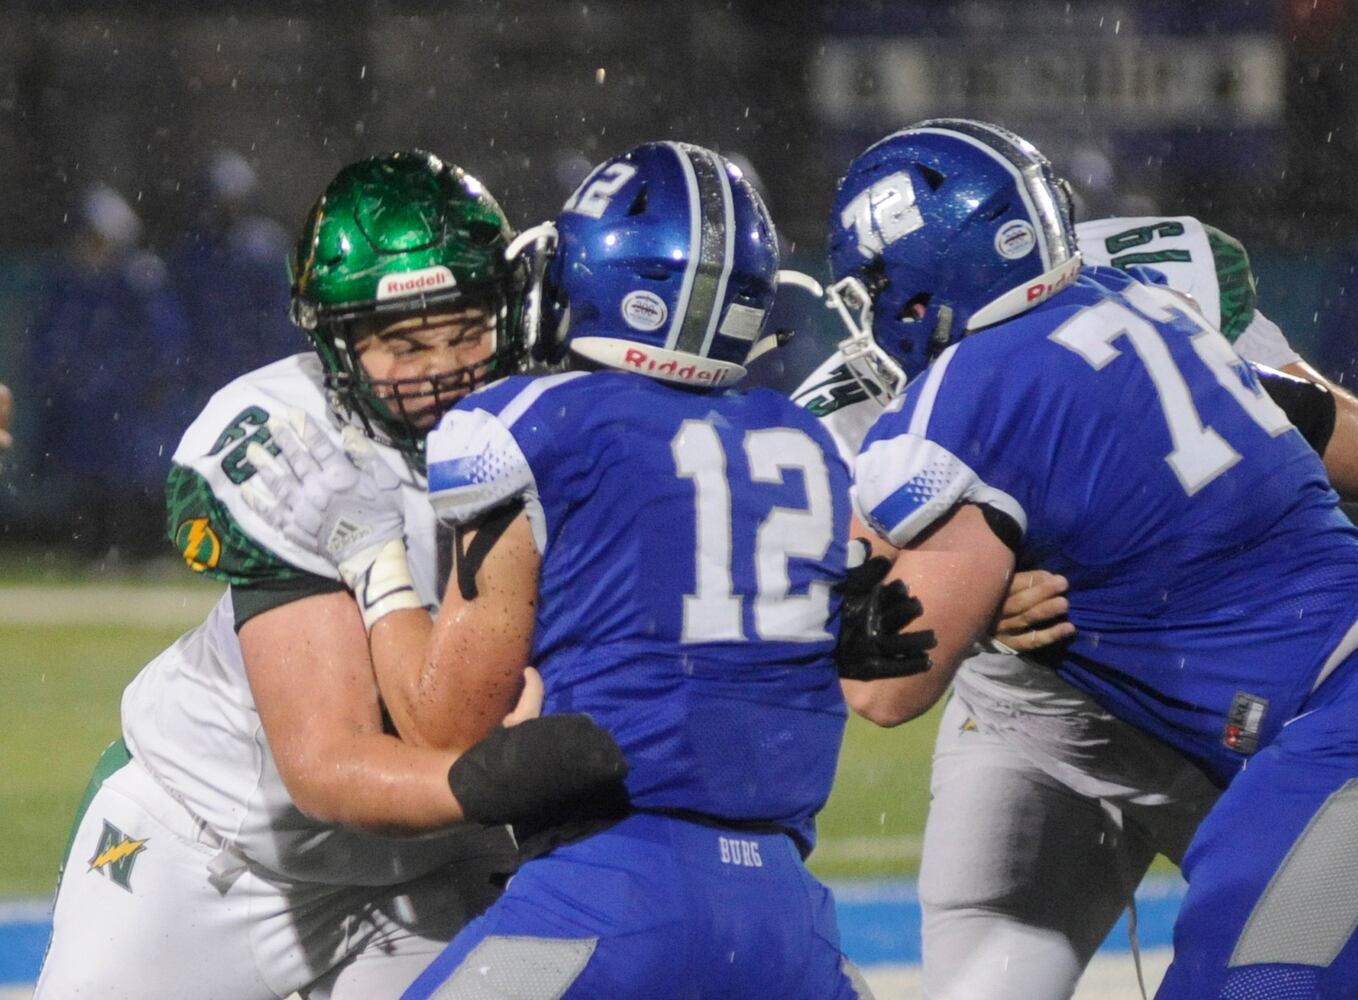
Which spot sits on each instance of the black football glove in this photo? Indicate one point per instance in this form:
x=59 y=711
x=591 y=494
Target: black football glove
x=871 y=646
x=531 y=772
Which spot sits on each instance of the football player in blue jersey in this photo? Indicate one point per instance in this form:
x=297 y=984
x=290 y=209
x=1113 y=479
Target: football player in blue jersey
x=1006 y=911
x=670 y=555
x=1076 y=419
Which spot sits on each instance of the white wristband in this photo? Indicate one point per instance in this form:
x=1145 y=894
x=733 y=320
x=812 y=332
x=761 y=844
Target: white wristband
x=385 y=586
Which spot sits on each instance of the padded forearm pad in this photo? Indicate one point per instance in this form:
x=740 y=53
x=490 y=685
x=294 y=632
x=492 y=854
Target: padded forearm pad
x=537 y=770
x=1309 y=405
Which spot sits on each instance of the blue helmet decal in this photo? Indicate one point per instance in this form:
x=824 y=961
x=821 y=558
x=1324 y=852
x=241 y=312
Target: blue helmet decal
x=941 y=229
x=666 y=263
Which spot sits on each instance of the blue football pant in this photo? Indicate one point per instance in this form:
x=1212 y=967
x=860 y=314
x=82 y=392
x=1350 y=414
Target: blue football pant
x=653 y=907
x=1273 y=873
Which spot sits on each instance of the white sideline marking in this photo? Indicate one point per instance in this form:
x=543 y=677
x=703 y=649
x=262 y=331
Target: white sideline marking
x=107 y=604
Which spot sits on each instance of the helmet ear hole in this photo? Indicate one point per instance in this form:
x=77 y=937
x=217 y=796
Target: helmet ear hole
x=914 y=307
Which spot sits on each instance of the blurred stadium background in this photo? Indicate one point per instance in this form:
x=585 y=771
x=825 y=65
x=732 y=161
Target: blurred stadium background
x=156 y=157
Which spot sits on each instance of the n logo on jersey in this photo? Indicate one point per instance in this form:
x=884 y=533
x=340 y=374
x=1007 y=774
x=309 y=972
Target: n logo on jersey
x=115 y=856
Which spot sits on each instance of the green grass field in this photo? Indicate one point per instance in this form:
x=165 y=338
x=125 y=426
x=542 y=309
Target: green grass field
x=64 y=679
x=63 y=685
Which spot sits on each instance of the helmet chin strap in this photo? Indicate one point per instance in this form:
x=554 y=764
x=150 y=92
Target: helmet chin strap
x=802 y=280
x=875 y=371
x=537 y=244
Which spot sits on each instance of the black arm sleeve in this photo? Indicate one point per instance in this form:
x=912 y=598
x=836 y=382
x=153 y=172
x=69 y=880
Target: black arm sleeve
x=489 y=527
x=256 y=598
x=1005 y=527
x=1309 y=405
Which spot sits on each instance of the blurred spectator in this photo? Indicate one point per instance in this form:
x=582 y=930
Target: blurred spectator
x=105 y=353
x=230 y=272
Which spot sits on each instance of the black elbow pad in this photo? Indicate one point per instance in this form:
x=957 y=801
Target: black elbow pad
x=1309 y=405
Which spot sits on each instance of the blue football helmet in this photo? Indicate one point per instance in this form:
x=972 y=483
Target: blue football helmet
x=665 y=263
x=937 y=231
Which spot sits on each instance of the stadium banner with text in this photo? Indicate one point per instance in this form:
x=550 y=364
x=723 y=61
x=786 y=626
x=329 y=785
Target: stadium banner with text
x=1129 y=75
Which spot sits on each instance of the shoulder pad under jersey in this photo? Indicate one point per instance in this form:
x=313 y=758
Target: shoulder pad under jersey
x=1208 y=264
x=206 y=517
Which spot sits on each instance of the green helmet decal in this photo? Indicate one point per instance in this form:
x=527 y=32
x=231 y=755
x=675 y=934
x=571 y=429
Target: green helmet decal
x=393 y=236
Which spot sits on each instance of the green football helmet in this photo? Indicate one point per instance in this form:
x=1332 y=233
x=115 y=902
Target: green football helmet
x=394 y=236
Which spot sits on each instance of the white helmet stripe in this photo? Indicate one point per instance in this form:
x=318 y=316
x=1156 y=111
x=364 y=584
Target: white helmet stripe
x=694 y=232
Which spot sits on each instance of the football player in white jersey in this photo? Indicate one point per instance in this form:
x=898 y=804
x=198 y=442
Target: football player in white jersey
x=1045 y=810
x=259 y=830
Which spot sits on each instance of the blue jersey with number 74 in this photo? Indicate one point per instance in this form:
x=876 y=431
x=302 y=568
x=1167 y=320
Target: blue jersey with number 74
x=1213 y=581
x=690 y=543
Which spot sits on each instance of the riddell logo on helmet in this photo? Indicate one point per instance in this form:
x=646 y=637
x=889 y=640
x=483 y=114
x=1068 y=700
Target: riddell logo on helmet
x=640 y=360
x=1040 y=290
x=426 y=279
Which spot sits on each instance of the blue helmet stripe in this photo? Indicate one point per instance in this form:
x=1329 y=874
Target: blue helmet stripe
x=691 y=255
x=710 y=256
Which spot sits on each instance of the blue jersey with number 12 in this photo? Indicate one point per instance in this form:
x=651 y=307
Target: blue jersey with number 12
x=690 y=542
x=1213 y=581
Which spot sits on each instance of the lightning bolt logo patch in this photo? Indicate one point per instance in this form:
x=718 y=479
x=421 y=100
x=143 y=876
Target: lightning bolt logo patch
x=115 y=856
x=198 y=543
